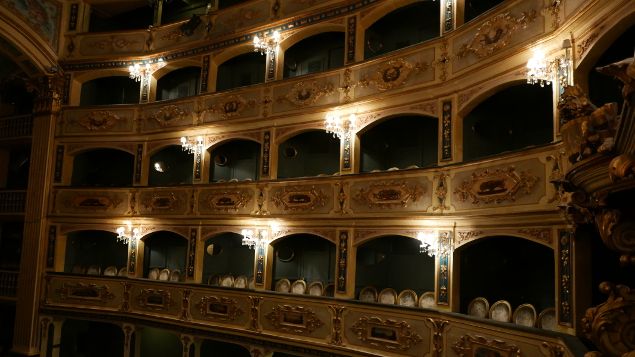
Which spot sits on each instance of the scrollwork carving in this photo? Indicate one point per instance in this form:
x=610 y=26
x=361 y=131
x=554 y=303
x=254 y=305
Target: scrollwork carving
x=219 y=308
x=167 y=115
x=232 y=106
x=294 y=319
x=99 y=120
x=390 y=194
x=85 y=292
x=306 y=93
x=389 y=334
x=392 y=74
x=495 y=186
x=299 y=198
x=153 y=299
x=469 y=345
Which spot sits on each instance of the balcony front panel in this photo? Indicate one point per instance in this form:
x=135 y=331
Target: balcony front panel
x=98 y=120
x=91 y=202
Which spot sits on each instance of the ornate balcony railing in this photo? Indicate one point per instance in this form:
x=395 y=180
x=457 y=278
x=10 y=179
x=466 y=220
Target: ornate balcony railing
x=8 y=283
x=16 y=126
x=12 y=201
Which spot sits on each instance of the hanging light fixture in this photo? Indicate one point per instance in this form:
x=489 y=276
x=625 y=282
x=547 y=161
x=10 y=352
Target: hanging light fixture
x=267 y=45
x=544 y=72
x=127 y=233
x=142 y=71
x=538 y=70
x=256 y=238
x=428 y=242
x=192 y=146
x=340 y=126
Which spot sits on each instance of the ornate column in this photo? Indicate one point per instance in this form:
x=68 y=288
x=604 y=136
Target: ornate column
x=187 y=341
x=128 y=332
x=26 y=337
x=345 y=272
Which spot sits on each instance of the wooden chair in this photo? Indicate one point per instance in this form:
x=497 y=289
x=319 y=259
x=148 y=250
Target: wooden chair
x=227 y=281
x=153 y=274
x=283 y=286
x=478 y=307
x=251 y=283
x=298 y=287
x=93 y=270
x=407 y=298
x=368 y=294
x=525 y=315
x=175 y=275
x=78 y=269
x=501 y=311
x=316 y=288
x=123 y=271
x=164 y=275
x=547 y=319
x=329 y=290
x=426 y=300
x=387 y=296
x=241 y=282
x=213 y=280
x=110 y=271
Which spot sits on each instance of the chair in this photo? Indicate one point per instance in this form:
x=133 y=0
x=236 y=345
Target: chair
x=213 y=280
x=123 y=271
x=175 y=275
x=316 y=288
x=368 y=294
x=93 y=270
x=407 y=298
x=227 y=281
x=164 y=275
x=387 y=296
x=525 y=315
x=251 y=283
x=110 y=271
x=241 y=282
x=478 y=307
x=547 y=319
x=283 y=286
x=298 y=287
x=78 y=269
x=426 y=300
x=329 y=290
x=153 y=274
x=501 y=311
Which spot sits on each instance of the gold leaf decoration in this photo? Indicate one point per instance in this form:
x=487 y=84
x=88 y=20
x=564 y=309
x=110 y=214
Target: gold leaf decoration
x=294 y=319
x=388 y=334
x=219 y=308
x=99 y=120
x=389 y=194
x=232 y=106
x=495 y=186
x=167 y=115
x=306 y=93
x=392 y=74
x=299 y=198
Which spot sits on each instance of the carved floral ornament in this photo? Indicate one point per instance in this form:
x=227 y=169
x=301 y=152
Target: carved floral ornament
x=306 y=93
x=89 y=293
x=92 y=202
x=294 y=319
x=98 y=120
x=231 y=106
x=386 y=333
x=496 y=33
x=469 y=345
x=389 y=194
x=392 y=74
x=219 y=308
x=228 y=200
x=495 y=186
x=167 y=115
x=299 y=198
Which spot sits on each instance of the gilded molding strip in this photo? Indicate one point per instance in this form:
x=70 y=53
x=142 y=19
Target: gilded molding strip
x=351 y=33
x=565 y=275
x=72 y=19
x=132 y=257
x=446 y=127
x=191 y=258
x=342 y=262
x=138 y=164
x=266 y=153
x=59 y=164
x=495 y=186
x=50 y=250
x=443 y=276
x=260 y=265
x=204 y=73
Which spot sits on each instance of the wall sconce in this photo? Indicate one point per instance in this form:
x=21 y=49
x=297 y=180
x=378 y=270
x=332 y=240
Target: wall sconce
x=127 y=233
x=143 y=71
x=267 y=45
x=428 y=242
x=541 y=71
x=340 y=126
x=257 y=238
x=192 y=146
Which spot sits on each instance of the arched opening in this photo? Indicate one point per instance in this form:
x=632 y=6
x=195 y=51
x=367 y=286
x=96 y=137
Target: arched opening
x=93 y=251
x=164 y=256
x=312 y=153
x=226 y=256
x=11 y=233
x=514 y=118
x=211 y=348
x=400 y=142
x=402 y=27
x=91 y=338
x=240 y=71
x=234 y=160
x=103 y=167
x=17 y=166
x=110 y=90
x=158 y=342
x=604 y=88
x=180 y=83
x=303 y=257
x=474 y=8
x=507 y=268
x=171 y=166
x=394 y=262
x=315 y=54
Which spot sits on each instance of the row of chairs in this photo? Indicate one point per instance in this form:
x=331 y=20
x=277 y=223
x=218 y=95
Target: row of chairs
x=389 y=296
x=315 y=288
x=229 y=281
x=524 y=314
x=96 y=270
x=165 y=274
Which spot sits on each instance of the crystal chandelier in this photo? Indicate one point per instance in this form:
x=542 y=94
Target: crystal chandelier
x=127 y=233
x=339 y=126
x=267 y=45
x=141 y=71
x=428 y=242
x=192 y=146
x=541 y=71
x=256 y=238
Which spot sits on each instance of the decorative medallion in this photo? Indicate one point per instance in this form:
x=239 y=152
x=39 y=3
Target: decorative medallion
x=85 y=292
x=306 y=93
x=161 y=202
x=154 y=299
x=227 y=200
x=299 y=198
x=232 y=106
x=219 y=308
x=342 y=262
x=336 y=324
x=495 y=34
x=388 y=334
x=93 y=202
x=294 y=319
x=392 y=74
x=99 y=120
x=167 y=115
x=389 y=194
x=469 y=345
x=495 y=186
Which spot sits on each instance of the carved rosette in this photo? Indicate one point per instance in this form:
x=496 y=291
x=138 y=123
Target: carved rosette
x=495 y=186
x=299 y=198
x=611 y=325
x=306 y=93
x=469 y=345
x=167 y=115
x=98 y=120
x=392 y=74
x=89 y=293
x=232 y=106
x=227 y=200
x=496 y=33
x=389 y=334
x=389 y=194
x=294 y=319
x=219 y=308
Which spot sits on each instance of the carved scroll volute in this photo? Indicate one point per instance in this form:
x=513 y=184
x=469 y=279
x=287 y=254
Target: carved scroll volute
x=617 y=232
